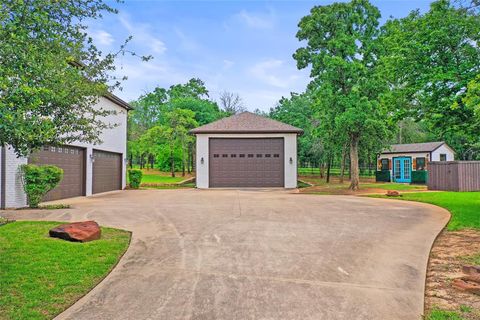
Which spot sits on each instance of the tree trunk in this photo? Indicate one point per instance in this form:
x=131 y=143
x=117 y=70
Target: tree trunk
x=329 y=164
x=131 y=161
x=355 y=180
x=183 y=161
x=322 y=170
x=189 y=159
x=172 y=164
x=342 y=164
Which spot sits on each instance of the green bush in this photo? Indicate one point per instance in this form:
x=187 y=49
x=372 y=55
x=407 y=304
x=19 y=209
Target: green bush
x=135 y=178
x=419 y=176
x=38 y=180
x=382 y=176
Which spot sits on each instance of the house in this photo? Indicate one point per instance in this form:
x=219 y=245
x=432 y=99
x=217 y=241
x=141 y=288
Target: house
x=246 y=150
x=88 y=169
x=403 y=160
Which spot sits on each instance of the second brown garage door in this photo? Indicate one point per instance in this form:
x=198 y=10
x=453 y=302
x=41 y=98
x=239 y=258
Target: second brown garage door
x=107 y=171
x=72 y=161
x=244 y=162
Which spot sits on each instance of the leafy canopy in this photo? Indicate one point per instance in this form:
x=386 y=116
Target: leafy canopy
x=51 y=73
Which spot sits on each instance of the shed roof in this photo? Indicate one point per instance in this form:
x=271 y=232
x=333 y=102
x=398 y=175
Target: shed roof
x=246 y=122
x=414 y=147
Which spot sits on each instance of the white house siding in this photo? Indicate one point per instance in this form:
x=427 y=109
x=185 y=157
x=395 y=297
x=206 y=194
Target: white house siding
x=443 y=149
x=113 y=140
x=290 y=149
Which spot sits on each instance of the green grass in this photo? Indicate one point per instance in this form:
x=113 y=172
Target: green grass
x=157 y=178
x=42 y=276
x=438 y=314
x=393 y=186
x=464 y=206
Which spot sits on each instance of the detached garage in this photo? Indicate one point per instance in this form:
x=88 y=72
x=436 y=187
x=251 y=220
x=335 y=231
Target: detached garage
x=246 y=150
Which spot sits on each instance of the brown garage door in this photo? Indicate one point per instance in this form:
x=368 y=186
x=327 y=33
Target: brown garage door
x=107 y=171
x=246 y=162
x=72 y=161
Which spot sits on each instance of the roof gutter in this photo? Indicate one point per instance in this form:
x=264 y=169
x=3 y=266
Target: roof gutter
x=244 y=132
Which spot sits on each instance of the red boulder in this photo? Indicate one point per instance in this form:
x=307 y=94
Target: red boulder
x=78 y=231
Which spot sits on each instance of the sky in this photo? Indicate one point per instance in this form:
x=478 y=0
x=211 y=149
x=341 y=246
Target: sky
x=243 y=47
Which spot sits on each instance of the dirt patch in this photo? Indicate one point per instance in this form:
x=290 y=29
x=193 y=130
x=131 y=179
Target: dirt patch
x=451 y=251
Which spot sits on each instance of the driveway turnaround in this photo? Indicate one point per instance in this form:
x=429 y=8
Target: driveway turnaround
x=258 y=254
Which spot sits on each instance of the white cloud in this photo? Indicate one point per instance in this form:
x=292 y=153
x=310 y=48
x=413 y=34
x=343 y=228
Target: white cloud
x=141 y=33
x=102 y=37
x=257 y=20
x=273 y=72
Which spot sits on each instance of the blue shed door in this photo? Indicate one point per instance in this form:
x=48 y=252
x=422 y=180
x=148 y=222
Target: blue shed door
x=402 y=169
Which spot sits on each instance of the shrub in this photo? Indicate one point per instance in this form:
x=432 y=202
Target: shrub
x=135 y=178
x=419 y=176
x=382 y=176
x=38 y=180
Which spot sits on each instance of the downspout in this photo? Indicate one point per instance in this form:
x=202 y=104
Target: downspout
x=3 y=168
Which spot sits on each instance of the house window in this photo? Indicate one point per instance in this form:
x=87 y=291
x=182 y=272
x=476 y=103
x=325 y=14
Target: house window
x=216 y=155
x=420 y=163
x=224 y=155
x=259 y=155
x=385 y=165
x=267 y=155
x=233 y=155
x=241 y=155
x=276 y=155
x=250 y=155
x=443 y=157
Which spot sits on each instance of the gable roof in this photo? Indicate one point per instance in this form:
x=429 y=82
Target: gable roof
x=246 y=122
x=117 y=100
x=414 y=147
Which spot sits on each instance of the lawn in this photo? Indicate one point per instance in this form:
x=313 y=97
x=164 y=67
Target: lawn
x=464 y=206
x=42 y=276
x=155 y=176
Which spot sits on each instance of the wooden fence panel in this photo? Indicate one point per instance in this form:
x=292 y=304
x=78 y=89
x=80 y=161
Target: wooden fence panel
x=454 y=175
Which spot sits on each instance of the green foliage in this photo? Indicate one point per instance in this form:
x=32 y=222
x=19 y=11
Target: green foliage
x=158 y=127
x=51 y=74
x=135 y=178
x=428 y=60
x=38 y=180
x=341 y=47
x=382 y=176
x=419 y=176
x=437 y=314
x=42 y=276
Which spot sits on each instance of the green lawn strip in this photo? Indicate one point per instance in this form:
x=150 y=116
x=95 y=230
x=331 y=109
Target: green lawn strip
x=156 y=178
x=464 y=206
x=437 y=314
x=42 y=276
x=393 y=186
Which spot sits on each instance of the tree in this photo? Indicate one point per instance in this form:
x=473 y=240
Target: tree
x=179 y=122
x=231 y=103
x=341 y=49
x=429 y=59
x=51 y=73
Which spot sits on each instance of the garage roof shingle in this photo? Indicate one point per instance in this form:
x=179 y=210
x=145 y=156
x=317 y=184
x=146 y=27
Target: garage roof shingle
x=246 y=122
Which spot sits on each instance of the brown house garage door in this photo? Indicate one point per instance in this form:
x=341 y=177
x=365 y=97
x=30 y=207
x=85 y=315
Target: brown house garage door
x=107 y=171
x=243 y=162
x=72 y=161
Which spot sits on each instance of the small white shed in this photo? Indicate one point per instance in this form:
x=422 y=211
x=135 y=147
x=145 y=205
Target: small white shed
x=246 y=150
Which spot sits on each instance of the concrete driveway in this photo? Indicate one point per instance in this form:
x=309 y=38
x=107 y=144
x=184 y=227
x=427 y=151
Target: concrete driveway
x=248 y=254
